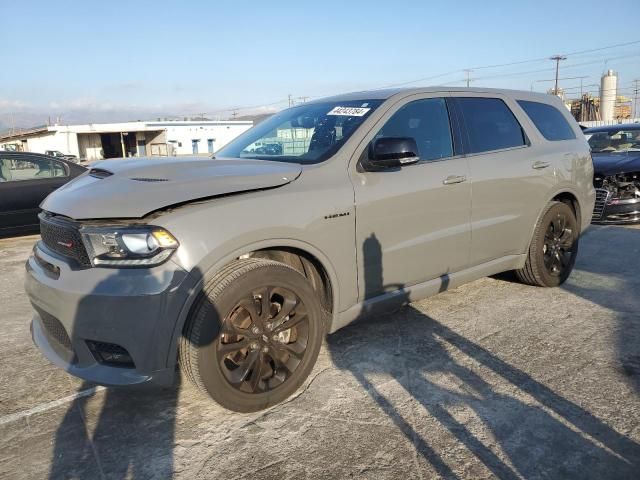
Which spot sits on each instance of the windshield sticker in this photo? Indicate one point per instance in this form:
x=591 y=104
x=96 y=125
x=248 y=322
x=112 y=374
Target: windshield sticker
x=349 y=111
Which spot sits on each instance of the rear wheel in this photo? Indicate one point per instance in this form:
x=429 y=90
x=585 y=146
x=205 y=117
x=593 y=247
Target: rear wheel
x=554 y=247
x=253 y=336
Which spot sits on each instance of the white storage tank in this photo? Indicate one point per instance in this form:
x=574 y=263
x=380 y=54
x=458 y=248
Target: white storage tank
x=608 y=94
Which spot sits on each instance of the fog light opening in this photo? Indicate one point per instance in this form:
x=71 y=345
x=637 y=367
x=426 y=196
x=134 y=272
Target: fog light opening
x=110 y=354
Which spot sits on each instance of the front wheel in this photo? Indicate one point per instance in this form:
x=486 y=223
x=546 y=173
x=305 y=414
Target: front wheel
x=254 y=335
x=554 y=247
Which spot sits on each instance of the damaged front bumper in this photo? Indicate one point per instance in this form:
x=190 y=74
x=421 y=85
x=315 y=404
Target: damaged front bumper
x=609 y=210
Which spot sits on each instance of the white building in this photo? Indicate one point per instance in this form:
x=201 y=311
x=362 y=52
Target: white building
x=96 y=141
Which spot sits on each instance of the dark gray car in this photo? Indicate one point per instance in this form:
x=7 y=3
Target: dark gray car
x=616 y=161
x=25 y=181
x=236 y=267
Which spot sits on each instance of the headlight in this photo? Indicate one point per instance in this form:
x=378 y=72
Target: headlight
x=134 y=246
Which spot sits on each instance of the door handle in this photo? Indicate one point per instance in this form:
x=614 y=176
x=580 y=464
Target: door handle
x=451 y=179
x=540 y=165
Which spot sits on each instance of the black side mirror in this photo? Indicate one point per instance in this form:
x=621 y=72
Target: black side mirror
x=392 y=152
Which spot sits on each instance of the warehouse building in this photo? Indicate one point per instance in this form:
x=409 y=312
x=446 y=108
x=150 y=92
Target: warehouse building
x=96 y=141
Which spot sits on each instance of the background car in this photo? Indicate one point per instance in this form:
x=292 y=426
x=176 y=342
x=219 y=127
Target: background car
x=59 y=154
x=25 y=180
x=616 y=160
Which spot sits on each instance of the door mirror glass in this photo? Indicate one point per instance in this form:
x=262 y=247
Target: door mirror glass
x=392 y=152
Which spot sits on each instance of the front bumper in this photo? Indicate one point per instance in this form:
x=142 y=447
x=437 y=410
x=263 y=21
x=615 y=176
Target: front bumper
x=135 y=309
x=611 y=211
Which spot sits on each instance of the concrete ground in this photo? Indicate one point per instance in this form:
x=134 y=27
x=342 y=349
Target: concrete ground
x=493 y=379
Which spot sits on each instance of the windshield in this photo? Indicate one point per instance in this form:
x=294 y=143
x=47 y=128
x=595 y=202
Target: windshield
x=615 y=141
x=308 y=133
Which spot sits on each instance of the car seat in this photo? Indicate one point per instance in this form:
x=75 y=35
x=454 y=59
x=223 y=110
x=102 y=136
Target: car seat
x=5 y=172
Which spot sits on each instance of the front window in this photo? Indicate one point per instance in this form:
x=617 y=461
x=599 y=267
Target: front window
x=308 y=133
x=427 y=122
x=616 y=141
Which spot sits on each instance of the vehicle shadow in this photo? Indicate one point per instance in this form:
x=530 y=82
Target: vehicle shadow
x=117 y=432
x=544 y=436
x=129 y=435
x=607 y=274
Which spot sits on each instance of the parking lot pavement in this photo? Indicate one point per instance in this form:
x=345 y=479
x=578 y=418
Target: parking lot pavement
x=493 y=379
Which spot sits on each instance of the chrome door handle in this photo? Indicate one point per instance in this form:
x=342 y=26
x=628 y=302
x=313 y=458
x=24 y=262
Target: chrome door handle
x=451 y=179
x=539 y=165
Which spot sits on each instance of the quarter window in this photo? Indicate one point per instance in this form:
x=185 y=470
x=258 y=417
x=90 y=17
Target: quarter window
x=548 y=120
x=426 y=121
x=15 y=170
x=490 y=124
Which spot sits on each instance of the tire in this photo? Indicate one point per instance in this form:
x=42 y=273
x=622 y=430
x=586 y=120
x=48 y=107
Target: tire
x=246 y=353
x=557 y=231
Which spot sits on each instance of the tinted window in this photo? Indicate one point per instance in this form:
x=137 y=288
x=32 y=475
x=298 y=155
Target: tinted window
x=548 y=120
x=427 y=121
x=490 y=124
x=15 y=170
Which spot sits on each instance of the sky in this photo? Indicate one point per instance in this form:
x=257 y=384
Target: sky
x=120 y=60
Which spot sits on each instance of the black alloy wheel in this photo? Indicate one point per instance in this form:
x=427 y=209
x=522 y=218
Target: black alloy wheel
x=558 y=245
x=263 y=340
x=553 y=248
x=254 y=334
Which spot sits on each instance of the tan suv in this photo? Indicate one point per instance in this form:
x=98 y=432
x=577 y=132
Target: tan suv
x=236 y=267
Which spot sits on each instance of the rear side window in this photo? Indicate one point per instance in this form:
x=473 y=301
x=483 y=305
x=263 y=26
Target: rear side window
x=548 y=120
x=19 y=169
x=490 y=124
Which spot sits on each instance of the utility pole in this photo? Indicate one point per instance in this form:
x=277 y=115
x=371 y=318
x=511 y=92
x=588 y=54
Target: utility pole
x=468 y=71
x=636 y=83
x=557 y=58
x=290 y=101
x=304 y=99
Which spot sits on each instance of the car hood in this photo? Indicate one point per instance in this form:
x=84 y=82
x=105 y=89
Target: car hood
x=135 y=188
x=612 y=163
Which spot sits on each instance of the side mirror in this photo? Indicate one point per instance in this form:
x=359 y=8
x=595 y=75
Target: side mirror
x=392 y=152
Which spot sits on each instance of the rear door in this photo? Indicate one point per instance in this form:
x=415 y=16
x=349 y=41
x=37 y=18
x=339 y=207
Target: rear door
x=509 y=183
x=412 y=223
x=25 y=181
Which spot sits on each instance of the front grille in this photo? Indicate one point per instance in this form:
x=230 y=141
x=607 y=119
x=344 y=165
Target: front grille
x=602 y=195
x=63 y=237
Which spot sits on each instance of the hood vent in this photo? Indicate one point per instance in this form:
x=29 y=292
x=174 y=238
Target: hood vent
x=100 y=173
x=146 y=179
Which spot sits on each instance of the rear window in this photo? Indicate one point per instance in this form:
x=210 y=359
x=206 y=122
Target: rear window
x=490 y=124
x=548 y=120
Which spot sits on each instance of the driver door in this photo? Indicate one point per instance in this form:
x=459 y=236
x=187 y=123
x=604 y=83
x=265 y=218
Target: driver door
x=413 y=223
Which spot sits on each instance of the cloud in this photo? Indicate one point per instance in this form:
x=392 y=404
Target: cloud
x=9 y=105
x=16 y=113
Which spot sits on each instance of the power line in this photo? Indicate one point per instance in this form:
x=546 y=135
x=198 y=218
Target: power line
x=509 y=64
x=289 y=99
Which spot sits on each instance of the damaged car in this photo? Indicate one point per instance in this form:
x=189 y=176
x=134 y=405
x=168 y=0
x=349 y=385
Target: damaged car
x=616 y=159
x=235 y=267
